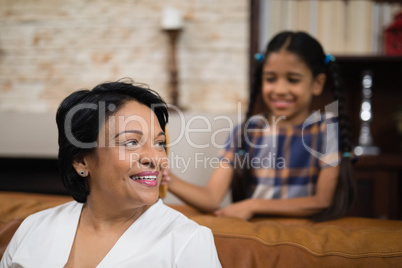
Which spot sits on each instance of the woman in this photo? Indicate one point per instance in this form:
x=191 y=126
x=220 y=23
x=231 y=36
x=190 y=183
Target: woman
x=111 y=155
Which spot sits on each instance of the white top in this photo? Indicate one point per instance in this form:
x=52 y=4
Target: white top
x=160 y=237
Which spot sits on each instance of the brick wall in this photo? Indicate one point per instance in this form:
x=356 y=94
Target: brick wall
x=49 y=48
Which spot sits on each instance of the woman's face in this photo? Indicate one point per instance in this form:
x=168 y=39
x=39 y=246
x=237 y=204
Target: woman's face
x=288 y=86
x=126 y=167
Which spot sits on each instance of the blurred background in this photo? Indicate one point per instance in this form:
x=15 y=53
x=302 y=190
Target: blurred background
x=50 y=48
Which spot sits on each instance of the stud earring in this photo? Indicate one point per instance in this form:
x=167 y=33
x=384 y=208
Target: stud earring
x=82 y=173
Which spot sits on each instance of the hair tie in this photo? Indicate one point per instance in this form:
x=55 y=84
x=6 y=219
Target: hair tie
x=328 y=58
x=259 y=57
x=241 y=152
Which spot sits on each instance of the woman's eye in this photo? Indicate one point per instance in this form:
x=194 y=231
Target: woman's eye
x=131 y=143
x=161 y=144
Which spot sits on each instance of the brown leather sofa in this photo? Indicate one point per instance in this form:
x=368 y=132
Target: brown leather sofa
x=261 y=242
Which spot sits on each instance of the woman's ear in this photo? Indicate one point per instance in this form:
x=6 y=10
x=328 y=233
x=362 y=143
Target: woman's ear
x=318 y=84
x=80 y=166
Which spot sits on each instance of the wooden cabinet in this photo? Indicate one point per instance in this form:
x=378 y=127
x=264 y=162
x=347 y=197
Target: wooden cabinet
x=386 y=98
x=379 y=186
x=379 y=178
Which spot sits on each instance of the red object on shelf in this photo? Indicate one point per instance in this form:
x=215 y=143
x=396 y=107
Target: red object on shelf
x=393 y=36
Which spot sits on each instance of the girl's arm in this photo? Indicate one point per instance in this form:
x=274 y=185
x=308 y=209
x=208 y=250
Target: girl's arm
x=299 y=207
x=207 y=198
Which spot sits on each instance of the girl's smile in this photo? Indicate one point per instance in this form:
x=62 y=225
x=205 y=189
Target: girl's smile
x=280 y=103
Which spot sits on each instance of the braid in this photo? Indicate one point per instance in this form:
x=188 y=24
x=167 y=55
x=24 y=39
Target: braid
x=240 y=184
x=255 y=90
x=346 y=144
x=345 y=192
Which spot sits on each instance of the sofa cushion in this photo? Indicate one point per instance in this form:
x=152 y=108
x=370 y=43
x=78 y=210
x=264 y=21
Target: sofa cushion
x=15 y=205
x=276 y=242
x=7 y=230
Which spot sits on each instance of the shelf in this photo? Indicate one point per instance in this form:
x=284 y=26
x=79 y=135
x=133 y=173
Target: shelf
x=386 y=99
x=386 y=70
x=383 y=64
x=368 y=58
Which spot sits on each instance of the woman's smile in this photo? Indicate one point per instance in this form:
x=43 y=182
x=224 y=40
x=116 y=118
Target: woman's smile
x=147 y=178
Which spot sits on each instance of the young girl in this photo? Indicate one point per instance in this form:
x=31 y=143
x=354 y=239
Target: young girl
x=281 y=160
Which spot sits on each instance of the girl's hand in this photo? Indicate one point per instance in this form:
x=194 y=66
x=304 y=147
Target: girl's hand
x=165 y=177
x=240 y=209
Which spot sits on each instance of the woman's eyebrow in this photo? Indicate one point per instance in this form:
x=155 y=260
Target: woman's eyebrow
x=129 y=131
x=161 y=134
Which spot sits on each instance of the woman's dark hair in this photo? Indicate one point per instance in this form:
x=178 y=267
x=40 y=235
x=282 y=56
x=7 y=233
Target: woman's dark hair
x=82 y=114
x=311 y=52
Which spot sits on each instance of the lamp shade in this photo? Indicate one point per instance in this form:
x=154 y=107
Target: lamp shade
x=171 y=19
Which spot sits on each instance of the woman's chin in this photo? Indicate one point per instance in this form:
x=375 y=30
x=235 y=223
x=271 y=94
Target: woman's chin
x=150 y=199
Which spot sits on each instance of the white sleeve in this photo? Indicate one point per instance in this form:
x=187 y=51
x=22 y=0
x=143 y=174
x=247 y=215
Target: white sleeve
x=199 y=251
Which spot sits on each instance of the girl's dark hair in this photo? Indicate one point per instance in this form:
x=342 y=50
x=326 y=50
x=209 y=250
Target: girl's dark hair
x=311 y=52
x=82 y=114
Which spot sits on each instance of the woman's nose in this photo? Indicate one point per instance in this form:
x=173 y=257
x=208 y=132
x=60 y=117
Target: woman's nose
x=147 y=162
x=150 y=157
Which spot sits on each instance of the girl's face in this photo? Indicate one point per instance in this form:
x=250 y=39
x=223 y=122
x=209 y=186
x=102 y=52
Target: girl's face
x=288 y=86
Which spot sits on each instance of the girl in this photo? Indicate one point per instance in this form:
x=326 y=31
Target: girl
x=281 y=161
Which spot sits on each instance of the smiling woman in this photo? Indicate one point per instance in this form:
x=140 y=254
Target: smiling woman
x=112 y=155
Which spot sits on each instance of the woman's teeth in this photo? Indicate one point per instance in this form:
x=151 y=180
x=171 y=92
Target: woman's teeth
x=149 y=178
